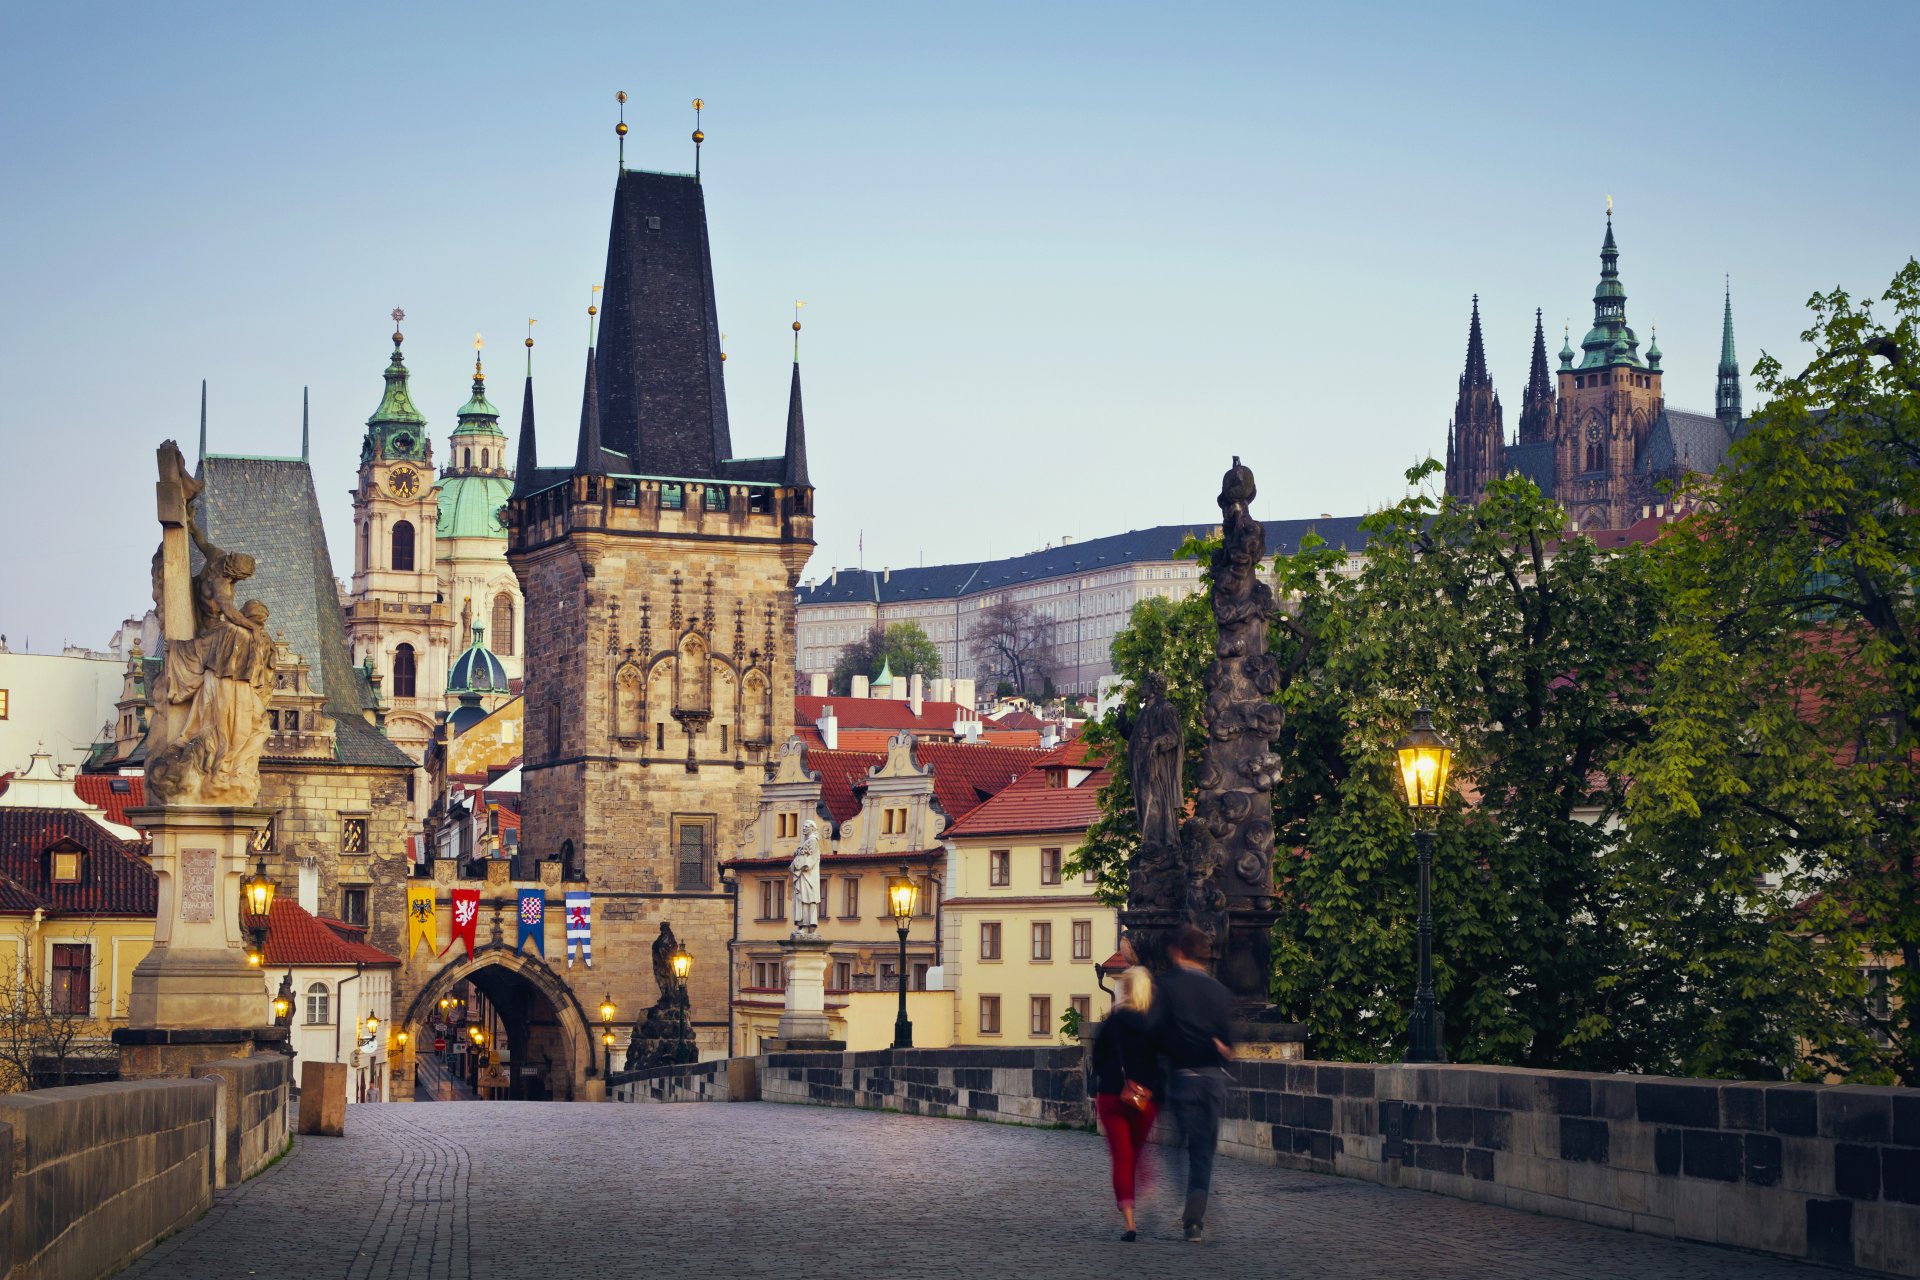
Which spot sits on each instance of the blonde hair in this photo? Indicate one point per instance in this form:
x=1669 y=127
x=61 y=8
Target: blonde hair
x=1136 y=989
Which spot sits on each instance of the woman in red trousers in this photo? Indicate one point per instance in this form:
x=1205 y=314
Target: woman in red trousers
x=1126 y=1071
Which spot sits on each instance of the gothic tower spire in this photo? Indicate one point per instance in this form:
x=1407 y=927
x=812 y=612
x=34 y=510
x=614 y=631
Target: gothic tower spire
x=1610 y=341
x=1536 y=409
x=1726 y=395
x=1477 y=439
x=589 y=458
x=524 y=479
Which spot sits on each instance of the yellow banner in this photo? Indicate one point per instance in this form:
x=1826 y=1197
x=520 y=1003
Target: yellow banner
x=420 y=917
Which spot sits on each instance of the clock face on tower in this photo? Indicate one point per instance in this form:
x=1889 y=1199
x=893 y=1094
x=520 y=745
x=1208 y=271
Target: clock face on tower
x=404 y=481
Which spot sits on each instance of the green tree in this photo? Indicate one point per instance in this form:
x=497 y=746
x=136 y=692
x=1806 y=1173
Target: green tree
x=1787 y=750
x=901 y=647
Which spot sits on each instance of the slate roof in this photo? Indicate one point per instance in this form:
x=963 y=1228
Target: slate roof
x=297 y=937
x=1534 y=461
x=115 y=880
x=267 y=508
x=950 y=581
x=1696 y=439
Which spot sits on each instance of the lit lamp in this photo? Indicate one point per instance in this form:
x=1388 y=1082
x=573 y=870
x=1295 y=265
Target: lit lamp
x=607 y=1010
x=373 y=1025
x=682 y=963
x=282 y=1010
x=400 y=1038
x=257 y=891
x=903 y=896
x=1425 y=757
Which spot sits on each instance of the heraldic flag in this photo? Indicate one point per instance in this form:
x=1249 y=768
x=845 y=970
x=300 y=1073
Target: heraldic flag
x=420 y=924
x=580 y=925
x=466 y=918
x=533 y=920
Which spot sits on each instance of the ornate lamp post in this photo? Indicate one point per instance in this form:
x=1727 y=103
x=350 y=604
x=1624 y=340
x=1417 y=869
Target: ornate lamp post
x=903 y=895
x=682 y=962
x=1426 y=756
x=607 y=1010
x=257 y=892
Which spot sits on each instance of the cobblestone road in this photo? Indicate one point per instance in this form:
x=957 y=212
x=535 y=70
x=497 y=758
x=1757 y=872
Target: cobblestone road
x=451 y=1191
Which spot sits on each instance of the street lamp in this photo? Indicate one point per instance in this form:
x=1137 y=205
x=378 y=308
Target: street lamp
x=682 y=962
x=257 y=892
x=607 y=1010
x=903 y=895
x=373 y=1025
x=1426 y=757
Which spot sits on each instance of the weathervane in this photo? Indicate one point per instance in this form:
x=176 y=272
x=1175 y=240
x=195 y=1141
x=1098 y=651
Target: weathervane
x=620 y=130
x=398 y=316
x=478 y=342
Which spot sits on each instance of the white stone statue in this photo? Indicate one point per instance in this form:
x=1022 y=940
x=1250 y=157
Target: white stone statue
x=210 y=701
x=806 y=881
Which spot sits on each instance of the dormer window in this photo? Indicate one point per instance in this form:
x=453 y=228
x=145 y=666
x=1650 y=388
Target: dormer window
x=66 y=863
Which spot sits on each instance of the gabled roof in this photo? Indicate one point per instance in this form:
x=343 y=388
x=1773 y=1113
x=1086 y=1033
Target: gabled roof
x=840 y=773
x=113 y=792
x=296 y=937
x=1031 y=807
x=1016 y=719
x=966 y=774
x=1534 y=461
x=950 y=581
x=115 y=879
x=1696 y=440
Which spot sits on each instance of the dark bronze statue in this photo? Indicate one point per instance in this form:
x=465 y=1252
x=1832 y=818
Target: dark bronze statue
x=1156 y=754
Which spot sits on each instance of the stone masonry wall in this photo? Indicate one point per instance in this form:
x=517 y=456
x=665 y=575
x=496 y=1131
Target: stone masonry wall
x=254 y=1111
x=1828 y=1173
x=1015 y=1086
x=721 y=1080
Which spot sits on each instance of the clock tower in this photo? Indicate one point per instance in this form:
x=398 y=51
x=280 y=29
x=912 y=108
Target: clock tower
x=398 y=621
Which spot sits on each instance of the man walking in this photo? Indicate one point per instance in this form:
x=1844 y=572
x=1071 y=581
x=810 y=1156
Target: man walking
x=1197 y=1036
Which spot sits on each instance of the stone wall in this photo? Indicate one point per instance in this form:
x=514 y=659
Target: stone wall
x=253 y=1113
x=1828 y=1173
x=721 y=1080
x=1015 y=1086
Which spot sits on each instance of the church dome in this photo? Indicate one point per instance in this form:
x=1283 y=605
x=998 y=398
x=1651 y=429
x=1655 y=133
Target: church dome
x=477 y=670
x=470 y=506
x=468 y=714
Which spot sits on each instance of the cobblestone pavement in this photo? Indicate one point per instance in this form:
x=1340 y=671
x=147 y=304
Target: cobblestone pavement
x=449 y=1191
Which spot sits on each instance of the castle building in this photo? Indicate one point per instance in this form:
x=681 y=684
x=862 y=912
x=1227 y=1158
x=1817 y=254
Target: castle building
x=429 y=560
x=658 y=572
x=1600 y=438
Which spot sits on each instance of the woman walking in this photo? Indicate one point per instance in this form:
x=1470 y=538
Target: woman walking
x=1127 y=1084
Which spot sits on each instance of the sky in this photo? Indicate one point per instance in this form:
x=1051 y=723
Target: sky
x=1061 y=261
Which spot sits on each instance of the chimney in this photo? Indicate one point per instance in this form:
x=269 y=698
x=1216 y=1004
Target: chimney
x=817 y=684
x=1066 y=540
x=886 y=575
x=897 y=690
x=963 y=693
x=941 y=690
x=917 y=693
x=309 y=892
x=833 y=577
x=859 y=689
x=829 y=726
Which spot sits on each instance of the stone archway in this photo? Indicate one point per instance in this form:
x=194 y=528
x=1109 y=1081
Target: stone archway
x=533 y=1000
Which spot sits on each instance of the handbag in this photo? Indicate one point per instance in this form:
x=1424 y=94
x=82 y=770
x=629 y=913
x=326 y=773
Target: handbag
x=1135 y=1095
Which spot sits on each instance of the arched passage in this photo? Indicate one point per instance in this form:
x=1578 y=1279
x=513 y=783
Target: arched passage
x=544 y=1025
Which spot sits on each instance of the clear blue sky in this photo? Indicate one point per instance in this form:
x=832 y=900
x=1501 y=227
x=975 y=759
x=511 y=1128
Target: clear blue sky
x=1061 y=259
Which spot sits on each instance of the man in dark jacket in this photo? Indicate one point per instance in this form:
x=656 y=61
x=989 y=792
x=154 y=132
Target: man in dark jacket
x=1196 y=1035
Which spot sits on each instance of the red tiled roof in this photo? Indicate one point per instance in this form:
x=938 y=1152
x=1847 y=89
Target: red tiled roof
x=115 y=880
x=882 y=713
x=508 y=819
x=967 y=773
x=114 y=792
x=1023 y=738
x=1030 y=805
x=840 y=773
x=1018 y=719
x=297 y=937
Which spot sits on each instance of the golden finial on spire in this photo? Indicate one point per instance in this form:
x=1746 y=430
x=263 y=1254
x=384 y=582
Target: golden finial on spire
x=1609 y=206
x=723 y=348
x=593 y=309
x=398 y=316
x=530 y=324
x=620 y=130
x=797 y=304
x=478 y=342
x=698 y=138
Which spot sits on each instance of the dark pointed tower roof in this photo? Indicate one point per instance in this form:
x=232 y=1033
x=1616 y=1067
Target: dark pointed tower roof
x=524 y=479
x=795 y=475
x=663 y=402
x=1536 y=407
x=1476 y=440
x=1726 y=394
x=589 y=457
x=1476 y=371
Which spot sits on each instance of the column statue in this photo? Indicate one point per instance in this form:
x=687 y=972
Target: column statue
x=806 y=881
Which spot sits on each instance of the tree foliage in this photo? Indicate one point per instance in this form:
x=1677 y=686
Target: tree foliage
x=901 y=647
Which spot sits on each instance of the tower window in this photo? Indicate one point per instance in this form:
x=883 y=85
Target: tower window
x=466 y=458
x=403 y=671
x=403 y=546
x=484 y=463
x=502 y=633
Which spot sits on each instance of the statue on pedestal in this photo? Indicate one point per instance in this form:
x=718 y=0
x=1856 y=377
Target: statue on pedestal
x=210 y=701
x=806 y=881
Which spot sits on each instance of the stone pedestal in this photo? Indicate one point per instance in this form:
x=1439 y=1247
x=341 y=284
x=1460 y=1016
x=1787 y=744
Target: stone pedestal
x=323 y=1099
x=804 y=1024
x=194 y=996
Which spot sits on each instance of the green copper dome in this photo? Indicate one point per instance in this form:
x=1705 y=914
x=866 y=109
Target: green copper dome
x=470 y=506
x=477 y=670
x=477 y=416
x=396 y=429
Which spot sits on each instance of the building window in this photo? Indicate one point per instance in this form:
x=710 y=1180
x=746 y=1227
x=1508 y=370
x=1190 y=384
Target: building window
x=403 y=545
x=5 y=704
x=773 y=899
x=1042 y=940
x=1040 y=1016
x=920 y=968
x=485 y=464
x=989 y=939
x=672 y=497
x=319 y=1005
x=65 y=868
x=716 y=499
x=692 y=838
x=925 y=901
x=843 y=975
x=1049 y=866
x=1082 y=1008
x=353 y=906
x=1000 y=867
x=72 y=978
x=893 y=822
x=353 y=835
x=626 y=493
x=660 y=735
x=850 y=898
x=1083 y=939
x=502 y=633
x=723 y=738
x=989 y=1015
x=1090 y=876
x=403 y=672
x=466 y=459
x=766 y=975
x=263 y=838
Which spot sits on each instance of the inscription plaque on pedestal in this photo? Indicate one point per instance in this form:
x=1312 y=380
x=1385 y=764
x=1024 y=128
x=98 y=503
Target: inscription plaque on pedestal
x=196 y=885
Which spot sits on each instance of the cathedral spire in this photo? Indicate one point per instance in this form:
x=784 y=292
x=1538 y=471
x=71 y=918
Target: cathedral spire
x=795 y=474
x=1476 y=371
x=1610 y=341
x=1536 y=407
x=1726 y=395
x=590 y=459
x=1476 y=444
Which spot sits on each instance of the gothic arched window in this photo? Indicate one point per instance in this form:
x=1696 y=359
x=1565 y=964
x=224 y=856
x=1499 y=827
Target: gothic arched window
x=502 y=632
x=403 y=545
x=403 y=672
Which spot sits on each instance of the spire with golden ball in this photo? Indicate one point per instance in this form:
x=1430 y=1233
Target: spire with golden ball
x=620 y=130
x=593 y=309
x=797 y=304
x=698 y=138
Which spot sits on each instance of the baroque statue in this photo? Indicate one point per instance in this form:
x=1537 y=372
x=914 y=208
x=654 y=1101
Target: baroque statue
x=806 y=881
x=210 y=700
x=664 y=945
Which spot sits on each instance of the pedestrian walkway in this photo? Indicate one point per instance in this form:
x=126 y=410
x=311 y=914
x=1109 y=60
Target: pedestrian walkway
x=452 y=1191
